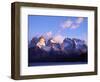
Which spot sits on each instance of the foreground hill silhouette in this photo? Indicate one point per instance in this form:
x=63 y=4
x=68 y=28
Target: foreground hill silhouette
x=69 y=51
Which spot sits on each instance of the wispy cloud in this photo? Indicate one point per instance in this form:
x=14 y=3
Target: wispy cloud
x=72 y=24
x=67 y=24
x=79 y=20
x=58 y=39
x=48 y=34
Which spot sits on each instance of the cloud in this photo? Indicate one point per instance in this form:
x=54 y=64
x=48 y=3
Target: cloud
x=79 y=20
x=72 y=24
x=58 y=39
x=66 y=24
x=49 y=34
x=77 y=23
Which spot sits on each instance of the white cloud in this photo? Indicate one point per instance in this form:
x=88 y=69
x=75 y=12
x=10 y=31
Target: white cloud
x=58 y=39
x=49 y=34
x=66 y=24
x=72 y=24
x=77 y=23
x=79 y=20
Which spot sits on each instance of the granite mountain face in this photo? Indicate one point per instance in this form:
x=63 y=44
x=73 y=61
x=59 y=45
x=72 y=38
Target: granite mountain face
x=67 y=45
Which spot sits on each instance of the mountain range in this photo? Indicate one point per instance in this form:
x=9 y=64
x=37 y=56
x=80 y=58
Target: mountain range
x=67 y=45
x=70 y=50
